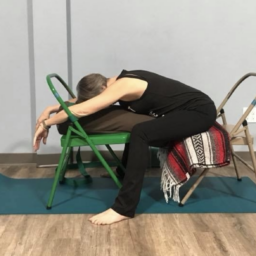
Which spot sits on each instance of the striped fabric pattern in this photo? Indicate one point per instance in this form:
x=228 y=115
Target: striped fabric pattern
x=179 y=161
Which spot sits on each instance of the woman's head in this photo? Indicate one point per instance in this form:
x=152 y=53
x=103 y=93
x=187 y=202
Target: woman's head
x=90 y=86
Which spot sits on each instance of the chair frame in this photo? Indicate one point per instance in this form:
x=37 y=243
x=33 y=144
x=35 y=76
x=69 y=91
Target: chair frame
x=234 y=134
x=77 y=136
x=237 y=132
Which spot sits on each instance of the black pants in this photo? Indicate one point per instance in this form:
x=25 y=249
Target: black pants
x=158 y=133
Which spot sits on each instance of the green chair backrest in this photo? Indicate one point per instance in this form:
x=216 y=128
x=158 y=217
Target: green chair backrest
x=57 y=96
x=79 y=131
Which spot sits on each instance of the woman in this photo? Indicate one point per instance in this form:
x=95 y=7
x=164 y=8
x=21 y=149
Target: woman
x=179 y=111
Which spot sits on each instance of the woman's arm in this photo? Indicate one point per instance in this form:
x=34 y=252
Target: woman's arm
x=50 y=110
x=109 y=96
x=41 y=134
x=54 y=108
x=121 y=88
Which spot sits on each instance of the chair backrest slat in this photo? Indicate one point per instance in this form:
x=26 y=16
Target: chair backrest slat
x=73 y=118
x=249 y=109
x=233 y=89
x=57 y=96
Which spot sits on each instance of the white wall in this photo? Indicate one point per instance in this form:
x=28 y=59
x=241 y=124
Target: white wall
x=206 y=44
x=50 y=43
x=15 y=128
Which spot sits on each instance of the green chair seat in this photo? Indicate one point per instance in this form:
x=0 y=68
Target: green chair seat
x=97 y=139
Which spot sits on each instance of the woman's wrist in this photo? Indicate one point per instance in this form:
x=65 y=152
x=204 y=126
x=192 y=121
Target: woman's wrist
x=44 y=125
x=56 y=119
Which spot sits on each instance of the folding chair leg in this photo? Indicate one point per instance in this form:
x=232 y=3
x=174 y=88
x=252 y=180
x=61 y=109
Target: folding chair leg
x=252 y=156
x=109 y=170
x=115 y=157
x=65 y=165
x=191 y=190
x=251 y=149
x=235 y=163
x=58 y=171
x=105 y=164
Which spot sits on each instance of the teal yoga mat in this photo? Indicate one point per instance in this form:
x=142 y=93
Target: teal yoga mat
x=214 y=195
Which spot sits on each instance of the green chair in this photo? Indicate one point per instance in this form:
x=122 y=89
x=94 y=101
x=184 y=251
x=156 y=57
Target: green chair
x=77 y=137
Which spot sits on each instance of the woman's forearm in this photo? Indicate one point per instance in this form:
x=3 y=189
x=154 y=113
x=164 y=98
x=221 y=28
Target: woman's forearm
x=55 y=108
x=57 y=119
x=52 y=109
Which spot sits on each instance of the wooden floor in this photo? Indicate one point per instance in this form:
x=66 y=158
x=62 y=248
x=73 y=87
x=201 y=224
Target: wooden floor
x=146 y=234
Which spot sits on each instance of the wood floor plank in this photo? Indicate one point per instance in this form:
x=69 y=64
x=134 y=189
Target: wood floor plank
x=146 y=234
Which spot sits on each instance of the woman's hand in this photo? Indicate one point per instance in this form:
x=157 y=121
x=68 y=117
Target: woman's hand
x=45 y=115
x=40 y=134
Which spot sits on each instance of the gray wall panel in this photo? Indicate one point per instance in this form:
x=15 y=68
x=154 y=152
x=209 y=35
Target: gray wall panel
x=50 y=41
x=15 y=128
x=206 y=44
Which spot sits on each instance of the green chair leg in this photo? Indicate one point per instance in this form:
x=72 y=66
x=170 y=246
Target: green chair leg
x=115 y=157
x=65 y=165
x=111 y=173
x=106 y=166
x=58 y=171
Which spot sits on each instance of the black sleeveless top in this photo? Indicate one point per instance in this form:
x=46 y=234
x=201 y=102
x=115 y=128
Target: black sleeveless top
x=162 y=95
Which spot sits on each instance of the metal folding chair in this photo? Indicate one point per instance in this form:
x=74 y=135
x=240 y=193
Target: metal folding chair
x=76 y=137
x=239 y=135
x=239 y=132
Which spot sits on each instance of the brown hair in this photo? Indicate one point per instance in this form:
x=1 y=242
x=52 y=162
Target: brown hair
x=90 y=86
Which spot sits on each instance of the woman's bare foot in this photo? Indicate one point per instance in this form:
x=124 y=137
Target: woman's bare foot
x=106 y=218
